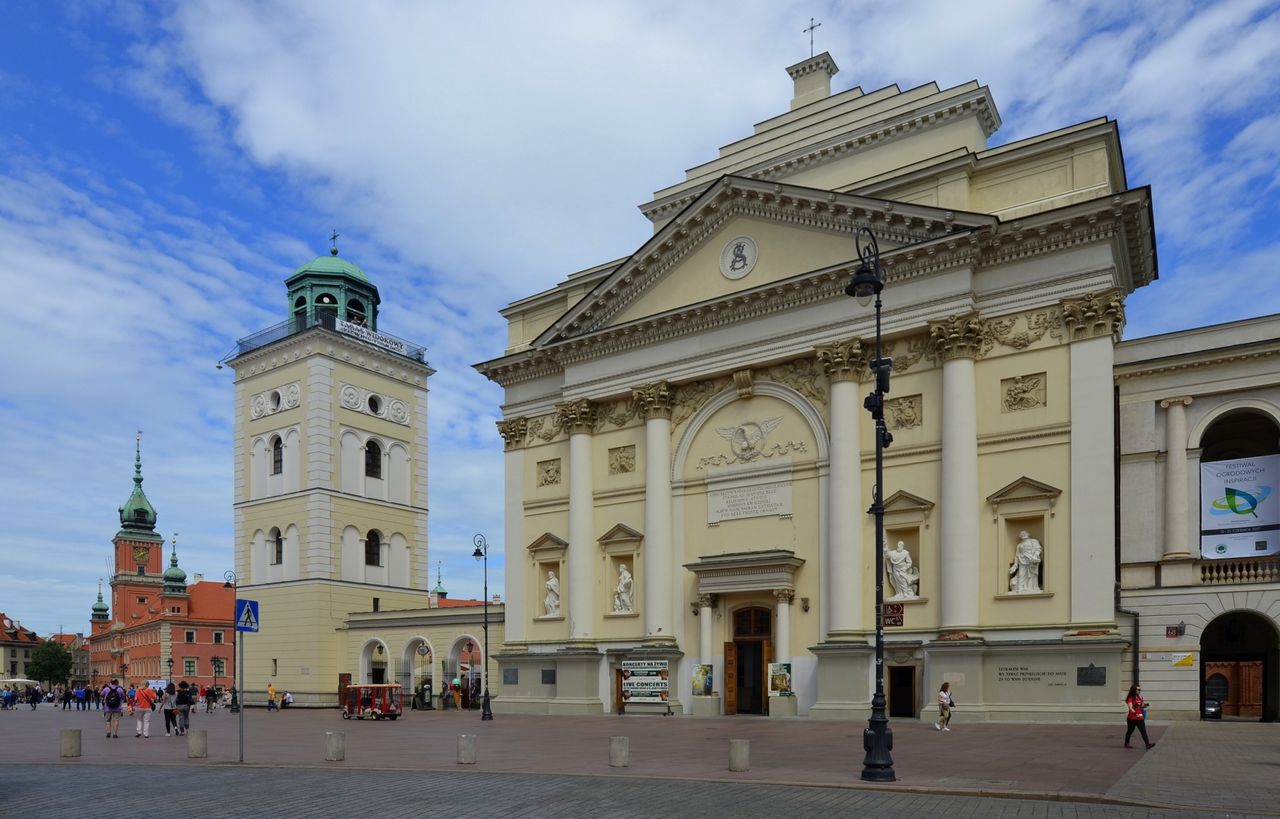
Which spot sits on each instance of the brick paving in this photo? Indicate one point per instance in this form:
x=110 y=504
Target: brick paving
x=992 y=769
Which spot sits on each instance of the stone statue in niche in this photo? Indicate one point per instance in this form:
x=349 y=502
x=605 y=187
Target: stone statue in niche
x=903 y=574
x=551 y=603
x=1024 y=572
x=622 y=599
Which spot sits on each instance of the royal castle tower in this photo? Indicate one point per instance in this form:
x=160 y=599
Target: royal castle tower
x=330 y=478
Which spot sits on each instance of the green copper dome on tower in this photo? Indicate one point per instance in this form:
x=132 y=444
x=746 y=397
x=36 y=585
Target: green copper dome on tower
x=328 y=289
x=100 y=607
x=175 y=579
x=137 y=515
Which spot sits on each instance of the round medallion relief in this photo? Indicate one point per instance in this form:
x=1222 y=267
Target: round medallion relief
x=738 y=257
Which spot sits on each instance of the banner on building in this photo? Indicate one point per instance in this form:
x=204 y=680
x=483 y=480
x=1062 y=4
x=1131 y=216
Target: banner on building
x=645 y=681
x=1240 y=508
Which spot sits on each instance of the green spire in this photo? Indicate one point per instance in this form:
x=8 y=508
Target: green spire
x=100 y=607
x=175 y=579
x=439 y=589
x=138 y=516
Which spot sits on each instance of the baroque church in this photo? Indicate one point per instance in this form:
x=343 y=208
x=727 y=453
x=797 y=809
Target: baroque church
x=688 y=463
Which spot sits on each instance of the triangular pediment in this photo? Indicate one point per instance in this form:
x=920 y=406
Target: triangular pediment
x=901 y=501
x=1025 y=489
x=548 y=543
x=621 y=533
x=795 y=230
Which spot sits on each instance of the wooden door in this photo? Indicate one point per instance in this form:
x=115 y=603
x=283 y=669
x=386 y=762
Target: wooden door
x=730 y=678
x=764 y=676
x=619 y=703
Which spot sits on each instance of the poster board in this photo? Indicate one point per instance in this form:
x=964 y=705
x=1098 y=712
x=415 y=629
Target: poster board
x=1240 y=508
x=780 y=680
x=645 y=681
x=703 y=677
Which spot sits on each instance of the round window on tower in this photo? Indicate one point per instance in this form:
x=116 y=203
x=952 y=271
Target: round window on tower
x=375 y=405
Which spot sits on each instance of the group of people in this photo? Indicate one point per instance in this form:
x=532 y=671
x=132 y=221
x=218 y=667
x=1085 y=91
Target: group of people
x=174 y=701
x=1135 y=716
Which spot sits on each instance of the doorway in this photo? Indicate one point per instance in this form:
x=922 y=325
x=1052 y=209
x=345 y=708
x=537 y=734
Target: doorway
x=747 y=660
x=1239 y=665
x=902 y=691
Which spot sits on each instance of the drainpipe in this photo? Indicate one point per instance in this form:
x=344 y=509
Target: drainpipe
x=1115 y=436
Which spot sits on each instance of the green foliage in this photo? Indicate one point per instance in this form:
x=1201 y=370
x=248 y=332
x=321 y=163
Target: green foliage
x=50 y=663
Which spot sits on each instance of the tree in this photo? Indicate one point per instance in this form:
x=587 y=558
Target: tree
x=50 y=663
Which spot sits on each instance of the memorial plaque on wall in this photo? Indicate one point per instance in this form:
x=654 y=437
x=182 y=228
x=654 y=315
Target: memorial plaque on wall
x=548 y=676
x=1091 y=675
x=511 y=676
x=752 y=501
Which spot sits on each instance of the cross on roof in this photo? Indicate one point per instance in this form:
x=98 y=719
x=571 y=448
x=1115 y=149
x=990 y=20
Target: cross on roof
x=809 y=31
x=333 y=240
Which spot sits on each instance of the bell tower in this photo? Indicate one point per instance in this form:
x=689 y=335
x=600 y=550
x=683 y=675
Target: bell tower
x=330 y=492
x=139 y=552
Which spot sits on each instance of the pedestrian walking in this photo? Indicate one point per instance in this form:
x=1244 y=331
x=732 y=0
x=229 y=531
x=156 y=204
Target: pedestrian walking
x=271 y=697
x=169 y=707
x=144 y=702
x=183 y=702
x=1137 y=716
x=945 y=704
x=113 y=703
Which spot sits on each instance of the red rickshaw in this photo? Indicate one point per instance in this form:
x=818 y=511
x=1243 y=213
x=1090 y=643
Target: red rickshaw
x=372 y=701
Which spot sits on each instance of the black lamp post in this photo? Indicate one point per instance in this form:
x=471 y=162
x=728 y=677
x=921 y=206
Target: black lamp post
x=877 y=739
x=482 y=553
x=124 y=673
x=171 y=669
x=229 y=581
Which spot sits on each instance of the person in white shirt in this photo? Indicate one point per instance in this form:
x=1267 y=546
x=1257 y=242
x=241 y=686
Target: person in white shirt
x=945 y=704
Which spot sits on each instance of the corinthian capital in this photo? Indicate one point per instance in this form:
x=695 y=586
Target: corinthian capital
x=962 y=336
x=1097 y=314
x=656 y=400
x=577 y=416
x=513 y=431
x=844 y=360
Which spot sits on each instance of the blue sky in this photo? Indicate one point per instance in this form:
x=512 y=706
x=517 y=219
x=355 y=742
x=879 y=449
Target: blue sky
x=164 y=167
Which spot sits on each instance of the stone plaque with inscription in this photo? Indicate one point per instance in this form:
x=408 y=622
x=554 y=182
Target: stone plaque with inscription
x=760 y=500
x=1091 y=675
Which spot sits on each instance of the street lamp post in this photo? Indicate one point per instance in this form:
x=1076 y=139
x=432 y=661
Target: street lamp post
x=877 y=739
x=229 y=581
x=171 y=670
x=124 y=674
x=482 y=553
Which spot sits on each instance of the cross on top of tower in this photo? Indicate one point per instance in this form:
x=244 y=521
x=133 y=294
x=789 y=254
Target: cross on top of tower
x=809 y=31
x=333 y=240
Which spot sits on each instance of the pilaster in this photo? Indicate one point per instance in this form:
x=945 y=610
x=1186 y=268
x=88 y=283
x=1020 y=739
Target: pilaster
x=513 y=431
x=579 y=417
x=656 y=401
x=1175 y=477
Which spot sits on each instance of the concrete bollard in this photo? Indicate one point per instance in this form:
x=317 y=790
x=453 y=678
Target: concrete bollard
x=739 y=754
x=69 y=743
x=197 y=744
x=619 y=752
x=466 y=749
x=335 y=746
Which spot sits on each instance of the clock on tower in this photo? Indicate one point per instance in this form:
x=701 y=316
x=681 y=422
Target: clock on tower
x=140 y=555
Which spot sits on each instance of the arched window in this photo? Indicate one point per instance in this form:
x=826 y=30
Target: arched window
x=355 y=312
x=300 y=312
x=1242 y=434
x=372 y=460
x=373 y=549
x=277 y=547
x=327 y=309
x=277 y=455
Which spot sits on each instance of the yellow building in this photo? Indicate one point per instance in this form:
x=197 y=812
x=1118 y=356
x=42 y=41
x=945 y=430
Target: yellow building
x=330 y=480
x=688 y=462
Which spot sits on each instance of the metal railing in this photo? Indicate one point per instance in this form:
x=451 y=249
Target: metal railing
x=328 y=321
x=1243 y=570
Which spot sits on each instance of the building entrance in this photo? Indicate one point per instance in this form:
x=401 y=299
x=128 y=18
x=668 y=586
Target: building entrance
x=1240 y=666
x=902 y=691
x=746 y=662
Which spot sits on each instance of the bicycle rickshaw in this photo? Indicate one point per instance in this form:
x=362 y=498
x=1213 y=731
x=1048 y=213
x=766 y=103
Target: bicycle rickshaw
x=372 y=702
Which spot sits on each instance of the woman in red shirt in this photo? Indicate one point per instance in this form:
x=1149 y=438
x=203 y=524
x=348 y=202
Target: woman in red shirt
x=1137 y=717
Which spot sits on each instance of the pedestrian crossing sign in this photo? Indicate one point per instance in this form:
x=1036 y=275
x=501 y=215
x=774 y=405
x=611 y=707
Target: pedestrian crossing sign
x=246 y=615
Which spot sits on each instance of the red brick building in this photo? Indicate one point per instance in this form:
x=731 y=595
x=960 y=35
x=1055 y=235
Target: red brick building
x=156 y=621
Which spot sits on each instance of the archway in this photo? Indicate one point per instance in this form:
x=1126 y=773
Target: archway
x=1240 y=665
x=466 y=666
x=373 y=662
x=415 y=674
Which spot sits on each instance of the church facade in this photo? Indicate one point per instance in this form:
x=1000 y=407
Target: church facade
x=688 y=464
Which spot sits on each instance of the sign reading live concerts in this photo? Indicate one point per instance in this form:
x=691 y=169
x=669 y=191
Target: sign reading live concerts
x=644 y=681
x=1240 y=507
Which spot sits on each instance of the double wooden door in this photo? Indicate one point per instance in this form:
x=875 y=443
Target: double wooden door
x=746 y=676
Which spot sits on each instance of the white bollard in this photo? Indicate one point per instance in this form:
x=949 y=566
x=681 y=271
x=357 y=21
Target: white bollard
x=619 y=752
x=69 y=743
x=466 y=749
x=197 y=744
x=739 y=754
x=335 y=746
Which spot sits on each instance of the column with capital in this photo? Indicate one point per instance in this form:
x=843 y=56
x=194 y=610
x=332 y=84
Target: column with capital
x=957 y=341
x=656 y=401
x=579 y=417
x=1175 y=477
x=846 y=364
x=705 y=653
x=782 y=649
x=513 y=431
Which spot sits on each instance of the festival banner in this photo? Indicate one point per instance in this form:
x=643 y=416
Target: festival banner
x=645 y=681
x=1240 y=508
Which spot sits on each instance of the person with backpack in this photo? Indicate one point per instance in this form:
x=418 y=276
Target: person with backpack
x=113 y=700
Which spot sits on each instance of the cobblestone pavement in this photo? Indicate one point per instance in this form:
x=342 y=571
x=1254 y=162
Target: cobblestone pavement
x=39 y=791
x=1195 y=767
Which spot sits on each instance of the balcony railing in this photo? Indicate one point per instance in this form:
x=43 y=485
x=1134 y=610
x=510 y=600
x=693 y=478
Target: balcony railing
x=328 y=321
x=1243 y=570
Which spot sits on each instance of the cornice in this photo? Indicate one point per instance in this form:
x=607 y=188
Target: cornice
x=339 y=347
x=1196 y=360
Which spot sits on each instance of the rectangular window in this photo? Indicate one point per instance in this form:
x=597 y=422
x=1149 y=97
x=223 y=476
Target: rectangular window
x=219 y=667
x=142 y=600
x=13 y=669
x=189 y=666
x=377 y=603
x=26 y=653
x=191 y=635
x=217 y=638
x=274 y=667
